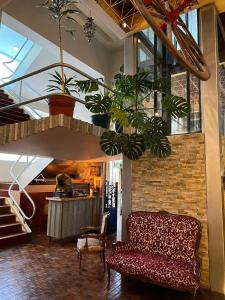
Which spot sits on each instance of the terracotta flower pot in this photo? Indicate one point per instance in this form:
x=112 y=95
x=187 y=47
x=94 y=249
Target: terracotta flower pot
x=61 y=104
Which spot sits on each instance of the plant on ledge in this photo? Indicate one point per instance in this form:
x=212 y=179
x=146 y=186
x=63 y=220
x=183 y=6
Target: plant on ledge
x=126 y=106
x=63 y=102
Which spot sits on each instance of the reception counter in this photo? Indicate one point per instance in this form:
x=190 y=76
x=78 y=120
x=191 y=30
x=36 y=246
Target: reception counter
x=67 y=215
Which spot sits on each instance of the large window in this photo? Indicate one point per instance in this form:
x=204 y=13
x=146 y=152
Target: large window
x=153 y=56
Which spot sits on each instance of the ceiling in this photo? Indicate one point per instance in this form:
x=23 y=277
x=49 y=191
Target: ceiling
x=124 y=14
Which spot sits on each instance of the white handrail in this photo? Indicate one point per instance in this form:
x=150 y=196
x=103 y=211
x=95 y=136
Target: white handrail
x=16 y=181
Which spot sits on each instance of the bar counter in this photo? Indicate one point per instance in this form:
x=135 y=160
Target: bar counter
x=67 y=215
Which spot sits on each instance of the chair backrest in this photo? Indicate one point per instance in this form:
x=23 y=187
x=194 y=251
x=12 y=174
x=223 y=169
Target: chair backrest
x=170 y=235
x=104 y=223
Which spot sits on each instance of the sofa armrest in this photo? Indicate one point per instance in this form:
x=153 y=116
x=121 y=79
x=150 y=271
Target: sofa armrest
x=122 y=246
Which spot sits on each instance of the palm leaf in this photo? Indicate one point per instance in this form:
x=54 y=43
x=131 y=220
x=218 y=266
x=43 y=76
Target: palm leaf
x=176 y=106
x=109 y=143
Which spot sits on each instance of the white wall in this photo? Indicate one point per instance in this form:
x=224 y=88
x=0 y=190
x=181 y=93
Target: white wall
x=4 y=170
x=117 y=60
x=94 y=54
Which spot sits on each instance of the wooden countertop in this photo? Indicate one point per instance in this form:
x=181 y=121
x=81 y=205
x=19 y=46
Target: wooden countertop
x=69 y=198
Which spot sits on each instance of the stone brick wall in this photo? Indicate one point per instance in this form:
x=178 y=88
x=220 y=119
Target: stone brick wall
x=176 y=184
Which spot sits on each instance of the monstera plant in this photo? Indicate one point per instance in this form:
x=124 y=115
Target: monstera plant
x=127 y=106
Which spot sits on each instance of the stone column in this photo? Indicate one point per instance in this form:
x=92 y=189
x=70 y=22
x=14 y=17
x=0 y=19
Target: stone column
x=130 y=67
x=211 y=128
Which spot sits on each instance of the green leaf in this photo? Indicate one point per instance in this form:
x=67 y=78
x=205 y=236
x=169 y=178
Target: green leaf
x=109 y=143
x=86 y=86
x=98 y=103
x=137 y=119
x=156 y=125
x=120 y=116
x=162 y=85
x=133 y=146
x=158 y=144
x=176 y=106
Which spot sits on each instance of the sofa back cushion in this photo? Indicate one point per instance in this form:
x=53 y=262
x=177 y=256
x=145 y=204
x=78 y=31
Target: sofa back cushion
x=170 y=235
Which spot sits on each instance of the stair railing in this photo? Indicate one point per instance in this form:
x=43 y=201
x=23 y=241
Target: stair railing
x=15 y=178
x=14 y=72
x=44 y=69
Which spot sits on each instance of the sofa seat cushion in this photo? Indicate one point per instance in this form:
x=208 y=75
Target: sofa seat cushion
x=157 y=269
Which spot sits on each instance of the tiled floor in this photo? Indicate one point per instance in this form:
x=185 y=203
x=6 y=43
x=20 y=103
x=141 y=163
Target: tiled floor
x=50 y=271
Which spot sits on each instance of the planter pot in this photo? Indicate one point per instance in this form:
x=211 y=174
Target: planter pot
x=102 y=120
x=61 y=104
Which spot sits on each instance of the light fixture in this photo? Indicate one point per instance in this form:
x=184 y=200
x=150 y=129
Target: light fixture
x=156 y=114
x=139 y=41
x=89 y=28
x=124 y=24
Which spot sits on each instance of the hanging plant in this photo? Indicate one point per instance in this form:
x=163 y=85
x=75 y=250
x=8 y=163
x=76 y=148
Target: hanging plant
x=126 y=107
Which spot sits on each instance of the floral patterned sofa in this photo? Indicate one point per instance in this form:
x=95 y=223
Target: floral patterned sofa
x=162 y=248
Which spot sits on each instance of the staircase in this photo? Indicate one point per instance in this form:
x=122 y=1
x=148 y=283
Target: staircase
x=12 y=231
x=4 y=186
x=13 y=115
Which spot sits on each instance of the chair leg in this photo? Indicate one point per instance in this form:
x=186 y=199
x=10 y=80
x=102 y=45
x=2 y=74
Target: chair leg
x=103 y=257
x=78 y=254
x=108 y=269
x=100 y=253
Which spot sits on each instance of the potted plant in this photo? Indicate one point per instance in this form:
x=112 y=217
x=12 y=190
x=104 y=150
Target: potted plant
x=144 y=130
x=63 y=102
x=97 y=103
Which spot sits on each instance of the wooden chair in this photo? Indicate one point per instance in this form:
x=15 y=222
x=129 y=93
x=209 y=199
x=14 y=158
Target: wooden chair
x=93 y=242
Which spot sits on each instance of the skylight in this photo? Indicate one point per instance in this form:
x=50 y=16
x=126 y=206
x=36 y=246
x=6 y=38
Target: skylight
x=10 y=54
x=14 y=157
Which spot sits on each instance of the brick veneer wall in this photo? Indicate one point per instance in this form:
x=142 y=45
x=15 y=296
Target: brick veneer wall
x=176 y=184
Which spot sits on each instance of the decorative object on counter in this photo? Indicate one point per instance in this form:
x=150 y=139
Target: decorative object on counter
x=63 y=185
x=126 y=105
x=62 y=12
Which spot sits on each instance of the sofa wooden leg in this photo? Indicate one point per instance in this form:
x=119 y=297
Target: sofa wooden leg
x=103 y=258
x=108 y=270
x=80 y=259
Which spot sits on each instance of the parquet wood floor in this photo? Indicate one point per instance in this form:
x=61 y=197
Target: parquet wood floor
x=43 y=271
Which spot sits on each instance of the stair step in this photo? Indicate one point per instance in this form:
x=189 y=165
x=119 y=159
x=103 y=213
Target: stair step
x=6 y=121
x=14 y=115
x=2 y=200
x=6 y=101
x=8 y=229
x=4 y=193
x=14 y=239
x=5 y=186
x=4 y=209
x=15 y=110
x=7 y=219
